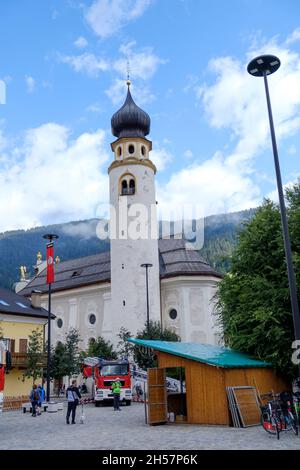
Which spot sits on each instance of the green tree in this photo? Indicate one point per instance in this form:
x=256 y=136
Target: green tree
x=125 y=349
x=144 y=358
x=35 y=355
x=101 y=348
x=253 y=299
x=72 y=355
x=59 y=362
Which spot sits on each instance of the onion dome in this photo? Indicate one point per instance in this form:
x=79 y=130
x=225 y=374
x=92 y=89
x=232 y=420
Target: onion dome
x=130 y=120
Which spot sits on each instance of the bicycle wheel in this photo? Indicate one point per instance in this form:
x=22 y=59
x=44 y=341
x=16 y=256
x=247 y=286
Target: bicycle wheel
x=293 y=423
x=268 y=423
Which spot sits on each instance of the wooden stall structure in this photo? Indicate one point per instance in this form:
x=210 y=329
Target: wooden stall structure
x=209 y=370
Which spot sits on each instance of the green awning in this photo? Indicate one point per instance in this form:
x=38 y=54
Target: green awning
x=206 y=353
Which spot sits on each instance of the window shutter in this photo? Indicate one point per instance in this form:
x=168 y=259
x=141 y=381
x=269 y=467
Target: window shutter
x=12 y=345
x=23 y=346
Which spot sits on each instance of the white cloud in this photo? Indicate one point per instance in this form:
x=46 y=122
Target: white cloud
x=3 y=141
x=292 y=150
x=236 y=101
x=160 y=156
x=55 y=14
x=117 y=92
x=294 y=37
x=107 y=17
x=2 y=92
x=94 y=108
x=86 y=229
x=81 y=42
x=51 y=177
x=30 y=84
x=188 y=154
x=86 y=63
x=273 y=195
x=214 y=185
x=143 y=64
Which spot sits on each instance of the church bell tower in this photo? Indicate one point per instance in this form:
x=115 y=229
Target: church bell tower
x=133 y=221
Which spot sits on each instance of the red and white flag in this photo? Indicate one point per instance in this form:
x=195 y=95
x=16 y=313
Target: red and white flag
x=50 y=263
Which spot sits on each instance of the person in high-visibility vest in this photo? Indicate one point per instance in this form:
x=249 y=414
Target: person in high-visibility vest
x=116 y=389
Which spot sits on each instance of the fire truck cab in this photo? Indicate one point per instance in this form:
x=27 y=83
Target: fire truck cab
x=105 y=373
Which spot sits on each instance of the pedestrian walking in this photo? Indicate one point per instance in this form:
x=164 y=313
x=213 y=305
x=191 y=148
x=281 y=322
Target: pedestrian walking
x=73 y=397
x=41 y=400
x=34 y=398
x=116 y=389
x=138 y=390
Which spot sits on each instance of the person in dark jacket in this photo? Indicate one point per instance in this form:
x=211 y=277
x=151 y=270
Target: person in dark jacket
x=73 y=396
x=34 y=398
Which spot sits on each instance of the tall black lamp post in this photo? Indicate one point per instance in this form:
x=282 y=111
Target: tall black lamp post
x=50 y=262
x=263 y=66
x=147 y=266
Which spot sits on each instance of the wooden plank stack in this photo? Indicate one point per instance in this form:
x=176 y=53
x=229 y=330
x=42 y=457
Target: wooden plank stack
x=244 y=406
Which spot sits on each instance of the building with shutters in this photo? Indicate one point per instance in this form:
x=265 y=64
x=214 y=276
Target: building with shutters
x=18 y=318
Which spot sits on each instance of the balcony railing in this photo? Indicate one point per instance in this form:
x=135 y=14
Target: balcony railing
x=21 y=360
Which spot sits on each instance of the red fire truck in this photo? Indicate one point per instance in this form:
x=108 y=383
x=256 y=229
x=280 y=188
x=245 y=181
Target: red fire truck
x=105 y=372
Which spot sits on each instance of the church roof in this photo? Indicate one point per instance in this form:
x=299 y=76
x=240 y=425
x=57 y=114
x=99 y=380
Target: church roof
x=130 y=120
x=174 y=260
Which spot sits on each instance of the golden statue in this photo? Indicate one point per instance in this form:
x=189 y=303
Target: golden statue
x=39 y=257
x=57 y=259
x=23 y=273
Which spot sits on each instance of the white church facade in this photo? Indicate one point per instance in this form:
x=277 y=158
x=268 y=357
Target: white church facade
x=101 y=293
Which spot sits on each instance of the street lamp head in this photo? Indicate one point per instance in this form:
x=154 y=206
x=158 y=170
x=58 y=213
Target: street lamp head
x=50 y=236
x=263 y=65
x=146 y=265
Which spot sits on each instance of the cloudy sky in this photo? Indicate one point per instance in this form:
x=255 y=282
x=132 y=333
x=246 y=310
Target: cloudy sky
x=63 y=68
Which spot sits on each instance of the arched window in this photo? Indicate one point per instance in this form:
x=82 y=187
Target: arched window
x=131 y=186
x=124 y=188
x=131 y=149
x=143 y=150
x=119 y=152
x=127 y=185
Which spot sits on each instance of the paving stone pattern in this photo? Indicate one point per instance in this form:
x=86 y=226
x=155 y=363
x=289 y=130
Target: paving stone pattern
x=125 y=430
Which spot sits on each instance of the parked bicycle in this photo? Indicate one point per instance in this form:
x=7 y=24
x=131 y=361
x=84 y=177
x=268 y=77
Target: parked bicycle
x=279 y=414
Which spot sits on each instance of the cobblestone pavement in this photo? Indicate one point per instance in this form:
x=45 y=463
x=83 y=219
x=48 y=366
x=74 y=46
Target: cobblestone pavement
x=112 y=430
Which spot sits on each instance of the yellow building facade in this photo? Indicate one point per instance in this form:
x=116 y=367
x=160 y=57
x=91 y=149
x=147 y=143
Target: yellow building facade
x=19 y=317
x=16 y=332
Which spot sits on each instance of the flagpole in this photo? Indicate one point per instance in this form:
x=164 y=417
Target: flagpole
x=50 y=279
x=49 y=343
